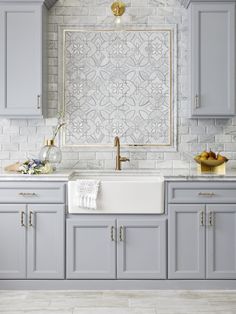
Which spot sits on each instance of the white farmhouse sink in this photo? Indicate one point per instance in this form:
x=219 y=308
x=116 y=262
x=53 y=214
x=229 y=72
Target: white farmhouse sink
x=122 y=194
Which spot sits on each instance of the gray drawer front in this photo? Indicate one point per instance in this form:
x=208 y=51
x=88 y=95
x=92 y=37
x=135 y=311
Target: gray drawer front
x=202 y=192
x=32 y=192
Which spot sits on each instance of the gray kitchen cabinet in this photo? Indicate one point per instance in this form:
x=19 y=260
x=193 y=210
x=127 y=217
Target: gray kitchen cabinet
x=221 y=241
x=23 y=59
x=91 y=248
x=32 y=232
x=12 y=241
x=45 y=245
x=32 y=241
x=186 y=241
x=201 y=234
x=212 y=59
x=116 y=248
x=141 y=248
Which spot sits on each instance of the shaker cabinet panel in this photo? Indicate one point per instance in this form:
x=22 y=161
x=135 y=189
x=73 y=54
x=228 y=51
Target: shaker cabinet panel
x=21 y=77
x=221 y=241
x=12 y=241
x=141 y=248
x=46 y=233
x=186 y=236
x=213 y=59
x=91 y=248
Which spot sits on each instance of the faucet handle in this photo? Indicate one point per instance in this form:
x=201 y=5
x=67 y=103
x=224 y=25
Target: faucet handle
x=124 y=159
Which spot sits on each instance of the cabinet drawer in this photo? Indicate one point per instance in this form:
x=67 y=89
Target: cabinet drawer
x=32 y=192
x=202 y=192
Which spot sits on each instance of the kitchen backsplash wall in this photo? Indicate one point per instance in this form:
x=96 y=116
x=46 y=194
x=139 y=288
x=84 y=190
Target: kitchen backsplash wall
x=20 y=139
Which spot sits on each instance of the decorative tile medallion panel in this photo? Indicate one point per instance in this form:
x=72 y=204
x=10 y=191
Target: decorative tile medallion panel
x=118 y=83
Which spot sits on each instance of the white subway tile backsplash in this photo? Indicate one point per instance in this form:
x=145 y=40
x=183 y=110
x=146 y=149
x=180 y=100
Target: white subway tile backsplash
x=146 y=164
x=180 y=164
x=81 y=10
x=10 y=147
x=87 y=155
x=4 y=155
x=104 y=155
x=26 y=130
x=155 y=156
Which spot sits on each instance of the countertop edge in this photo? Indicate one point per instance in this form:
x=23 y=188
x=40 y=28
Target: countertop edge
x=167 y=174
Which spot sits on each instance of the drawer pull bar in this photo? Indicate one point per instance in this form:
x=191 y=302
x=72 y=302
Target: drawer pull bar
x=211 y=219
x=112 y=233
x=121 y=234
x=202 y=220
x=27 y=194
x=22 y=222
x=38 y=101
x=210 y=194
x=30 y=218
x=196 y=101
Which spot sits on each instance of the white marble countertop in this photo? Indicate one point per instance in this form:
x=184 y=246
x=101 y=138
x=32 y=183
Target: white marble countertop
x=168 y=174
x=55 y=176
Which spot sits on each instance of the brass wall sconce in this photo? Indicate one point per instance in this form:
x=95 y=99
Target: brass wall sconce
x=118 y=9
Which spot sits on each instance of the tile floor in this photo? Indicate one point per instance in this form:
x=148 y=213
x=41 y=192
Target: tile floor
x=118 y=302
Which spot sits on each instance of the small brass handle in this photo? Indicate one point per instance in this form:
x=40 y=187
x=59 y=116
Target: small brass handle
x=38 y=101
x=27 y=194
x=196 y=101
x=211 y=219
x=30 y=218
x=112 y=233
x=121 y=234
x=202 y=220
x=22 y=215
x=210 y=194
x=124 y=159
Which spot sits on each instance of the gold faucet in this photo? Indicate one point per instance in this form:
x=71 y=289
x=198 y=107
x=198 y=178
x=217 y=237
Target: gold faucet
x=119 y=159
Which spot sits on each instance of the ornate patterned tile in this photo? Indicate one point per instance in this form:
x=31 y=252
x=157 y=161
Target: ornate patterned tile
x=118 y=83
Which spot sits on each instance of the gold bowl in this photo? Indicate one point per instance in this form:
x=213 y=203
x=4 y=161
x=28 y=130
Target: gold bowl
x=211 y=163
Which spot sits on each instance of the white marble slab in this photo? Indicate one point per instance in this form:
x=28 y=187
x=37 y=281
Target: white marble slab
x=56 y=176
x=168 y=174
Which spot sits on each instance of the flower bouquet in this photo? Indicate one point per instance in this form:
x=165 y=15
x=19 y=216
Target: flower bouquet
x=31 y=166
x=35 y=166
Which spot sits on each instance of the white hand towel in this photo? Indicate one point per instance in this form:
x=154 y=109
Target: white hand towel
x=88 y=192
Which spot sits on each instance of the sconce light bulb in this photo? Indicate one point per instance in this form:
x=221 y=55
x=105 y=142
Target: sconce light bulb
x=118 y=20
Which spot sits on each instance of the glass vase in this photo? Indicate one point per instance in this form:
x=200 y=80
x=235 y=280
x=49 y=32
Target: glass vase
x=51 y=153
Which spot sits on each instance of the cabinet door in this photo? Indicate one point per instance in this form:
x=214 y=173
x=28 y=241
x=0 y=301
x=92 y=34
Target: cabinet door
x=12 y=241
x=186 y=236
x=213 y=59
x=20 y=60
x=46 y=234
x=141 y=251
x=221 y=241
x=91 y=248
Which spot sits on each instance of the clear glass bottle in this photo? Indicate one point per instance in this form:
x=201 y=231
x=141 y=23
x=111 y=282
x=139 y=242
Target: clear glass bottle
x=51 y=153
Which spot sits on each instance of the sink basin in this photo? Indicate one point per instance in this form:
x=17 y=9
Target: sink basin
x=122 y=194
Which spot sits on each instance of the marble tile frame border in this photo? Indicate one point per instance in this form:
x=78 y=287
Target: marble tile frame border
x=174 y=57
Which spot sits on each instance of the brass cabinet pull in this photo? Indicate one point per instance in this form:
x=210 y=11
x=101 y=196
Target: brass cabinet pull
x=209 y=194
x=121 y=234
x=27 y=194
x=22 y=222
x=202 y=220
x=211 y=219
x=30 y=218
x=38 y=101
x=112 y=233
x=196 y=101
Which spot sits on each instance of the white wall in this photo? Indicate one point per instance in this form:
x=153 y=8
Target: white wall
x=22 y=138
